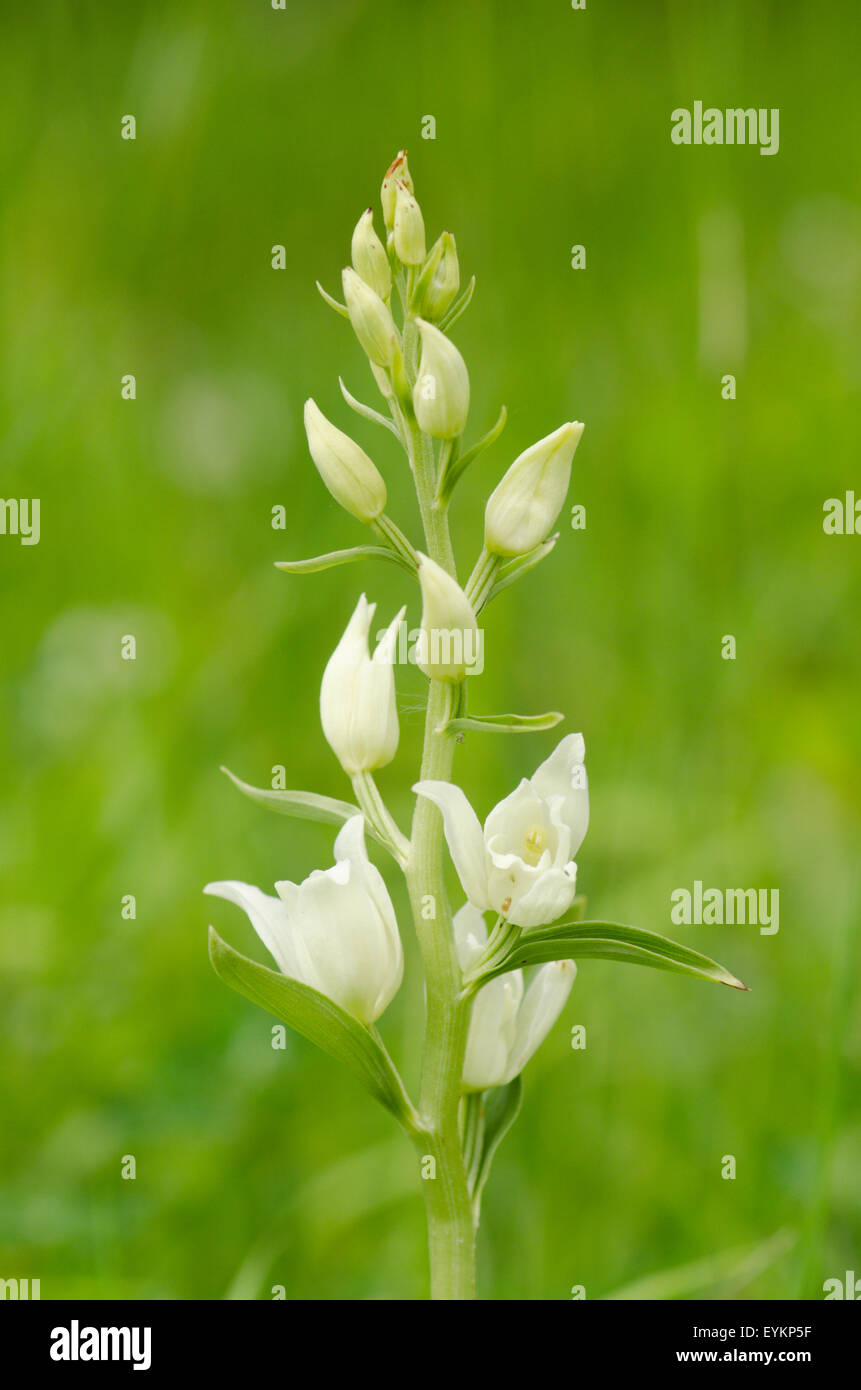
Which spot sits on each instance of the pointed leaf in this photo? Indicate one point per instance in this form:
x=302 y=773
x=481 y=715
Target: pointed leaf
x=338 y=557
x=367 y=411
x=334 y=303
x=301 y=805
x=611 y=941
x=458 y=464
x=515 y=569
x=501 y=1108
x=458 y=307
x=318 y=1019
x=505 y=723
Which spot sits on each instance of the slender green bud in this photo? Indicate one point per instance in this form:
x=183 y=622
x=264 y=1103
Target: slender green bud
x=441 y=392
x=369 y=256
x=439 y=282
x=525 y=504
x=351 y=477
x=372 y=321
x=397 y=170
x=409 y=226
x=449 y=639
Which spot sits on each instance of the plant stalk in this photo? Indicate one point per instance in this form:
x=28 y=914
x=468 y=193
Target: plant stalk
x=451 y=1226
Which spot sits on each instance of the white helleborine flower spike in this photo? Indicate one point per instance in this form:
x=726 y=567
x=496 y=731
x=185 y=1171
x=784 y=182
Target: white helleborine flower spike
x=508 y=1023
x=524 y=506
x=351 y=477
x=357 y=696
x=448 y=642
x=410 y=245
x=336 y=932
x=521 y=865
x=369 y=258
x=441 y=392
x=372 y=320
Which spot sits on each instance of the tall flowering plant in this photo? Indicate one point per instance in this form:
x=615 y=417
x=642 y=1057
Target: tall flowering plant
x=499 y=970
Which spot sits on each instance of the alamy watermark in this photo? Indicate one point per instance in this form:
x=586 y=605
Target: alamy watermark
x=438 y=646
x=20 y=516
x=734 y=126
x=76 y=1343
x=726 y=907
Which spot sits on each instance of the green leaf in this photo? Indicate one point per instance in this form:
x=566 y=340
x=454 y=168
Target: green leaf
x=500 y=1106
x=334 y=303
x=458 y=307
x=609 y=941
x=367 y=411
x=458 y=464
x=504 y=723
x=338 y=557
x=515 y=569
x=318 y=1019
x=301 y=805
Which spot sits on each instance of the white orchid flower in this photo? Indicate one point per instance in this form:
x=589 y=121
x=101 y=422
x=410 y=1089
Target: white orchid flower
x=521 y=865
x=357 y=695
x=336 y=932
x=509 y=1022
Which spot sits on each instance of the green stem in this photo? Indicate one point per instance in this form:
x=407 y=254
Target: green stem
x=451 y=1228
x=451 y=1225
x=378 y=815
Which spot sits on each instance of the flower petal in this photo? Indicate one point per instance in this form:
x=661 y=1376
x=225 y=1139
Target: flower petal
x=464 y=837
x=551 y=894
x=564 y=774
x=492 y=1031
x=270 y=919
x=544 y=1002
x=470 y=935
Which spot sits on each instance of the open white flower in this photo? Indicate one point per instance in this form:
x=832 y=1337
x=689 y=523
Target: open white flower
x=509 y=1022
x=521 y=864
x=335 y=932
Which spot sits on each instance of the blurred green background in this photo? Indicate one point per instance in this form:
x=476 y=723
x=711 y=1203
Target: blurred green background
x=704 y=517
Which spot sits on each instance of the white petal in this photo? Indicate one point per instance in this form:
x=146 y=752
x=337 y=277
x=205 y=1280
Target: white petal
x=544 y=1002
x=464 y=837
x=268 y=916
x=350 y=840
x=470 y=935
x=564 y=774
x=341 y=684
x=492 y=1031
x=346 y=930
x=551 y=894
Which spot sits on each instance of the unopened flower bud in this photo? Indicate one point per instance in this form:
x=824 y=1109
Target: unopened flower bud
x=397 y=170
x=409 y=226
x=372 y=321
x=441 y=392
x=524 y=506
x=439 y=281
x=357 y=696
x=448 y=643
x=351 y=477
x=369 y=256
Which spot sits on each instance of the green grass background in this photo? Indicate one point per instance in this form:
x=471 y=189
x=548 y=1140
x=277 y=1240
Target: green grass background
x=257 y=127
